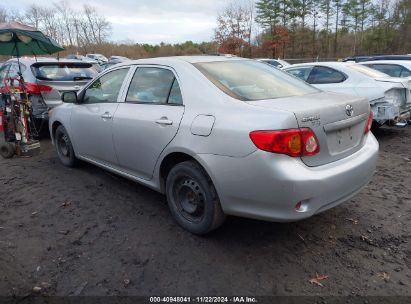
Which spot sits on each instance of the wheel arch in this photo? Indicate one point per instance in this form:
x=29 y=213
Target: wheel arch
x=174 y=158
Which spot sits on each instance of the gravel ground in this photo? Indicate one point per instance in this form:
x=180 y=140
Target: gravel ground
x=87 y=232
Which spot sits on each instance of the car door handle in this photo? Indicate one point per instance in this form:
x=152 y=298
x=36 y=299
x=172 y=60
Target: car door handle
x=106 y=115
x=164 y=122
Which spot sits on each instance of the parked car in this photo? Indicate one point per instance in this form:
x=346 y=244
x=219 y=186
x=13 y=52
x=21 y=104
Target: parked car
x=118 y=58
x=377 y=57
x=95 y=63
x=113 y=61
x=98 y=57
x=278 y=63
x=46 y=79
x=389 y=97
x=220 y=136
x=394 y=68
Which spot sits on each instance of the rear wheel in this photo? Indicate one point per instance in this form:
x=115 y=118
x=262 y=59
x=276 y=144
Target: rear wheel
x=192 y=198
x=64 y=148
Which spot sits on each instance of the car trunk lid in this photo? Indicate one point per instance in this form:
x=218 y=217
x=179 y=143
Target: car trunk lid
x=337 y=120
x=53 y=97
x=58 y=77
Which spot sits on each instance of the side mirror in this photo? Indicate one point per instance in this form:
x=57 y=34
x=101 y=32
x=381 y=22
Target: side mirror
x=69 y=97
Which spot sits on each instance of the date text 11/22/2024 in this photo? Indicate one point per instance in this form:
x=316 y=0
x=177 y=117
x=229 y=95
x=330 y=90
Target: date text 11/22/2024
x=237 y=299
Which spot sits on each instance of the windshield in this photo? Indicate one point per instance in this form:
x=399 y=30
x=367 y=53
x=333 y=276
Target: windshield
x=249 y=80
x=368 y=71
x=63 y=71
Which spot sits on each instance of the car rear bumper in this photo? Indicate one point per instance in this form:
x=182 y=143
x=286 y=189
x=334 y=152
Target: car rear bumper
x=268 y=186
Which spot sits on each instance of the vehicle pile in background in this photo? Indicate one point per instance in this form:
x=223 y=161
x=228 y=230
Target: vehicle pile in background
x=384 y=80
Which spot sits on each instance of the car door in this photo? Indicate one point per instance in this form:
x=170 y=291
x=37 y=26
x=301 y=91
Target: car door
x=147 y=120
x=331 y=80
x=92 y=118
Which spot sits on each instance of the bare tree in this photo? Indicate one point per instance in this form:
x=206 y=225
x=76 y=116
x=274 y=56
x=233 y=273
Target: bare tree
x=234 y=26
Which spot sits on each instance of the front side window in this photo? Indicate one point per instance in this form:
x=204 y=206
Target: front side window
x=250 y=80
x=154 y=86
x=301 y=72
x=325 y=75
x=106 y=88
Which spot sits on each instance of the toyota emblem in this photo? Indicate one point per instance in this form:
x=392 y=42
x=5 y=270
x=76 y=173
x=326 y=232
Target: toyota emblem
x=349 y=110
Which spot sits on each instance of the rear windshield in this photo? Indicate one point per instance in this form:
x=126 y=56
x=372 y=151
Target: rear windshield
x=63 y=71
x=368 y=71
x=250 y=80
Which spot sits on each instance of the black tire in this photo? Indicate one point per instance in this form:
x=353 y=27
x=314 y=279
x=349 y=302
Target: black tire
x=7 y=150
x=64 y=148
x=192 y=198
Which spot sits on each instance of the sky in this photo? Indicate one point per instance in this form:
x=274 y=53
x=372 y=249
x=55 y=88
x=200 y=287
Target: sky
x=150 y=21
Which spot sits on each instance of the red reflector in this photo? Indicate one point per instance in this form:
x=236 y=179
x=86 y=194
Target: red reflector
x=369 y=123
x=292 y=142
x=298 y=206
x=33 y=88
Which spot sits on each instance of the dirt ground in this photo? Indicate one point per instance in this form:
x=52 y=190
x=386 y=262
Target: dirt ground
x=87 y=232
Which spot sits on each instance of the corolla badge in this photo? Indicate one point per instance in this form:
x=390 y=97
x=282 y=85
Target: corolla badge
x=349 y=110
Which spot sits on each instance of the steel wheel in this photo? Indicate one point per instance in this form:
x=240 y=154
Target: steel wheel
x=189 y=198
x=192 y=198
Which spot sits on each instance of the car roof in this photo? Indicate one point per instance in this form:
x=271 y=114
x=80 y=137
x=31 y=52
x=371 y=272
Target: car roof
x=335 y=64
x=378 y=57
x=398 y=62
x=180 y=59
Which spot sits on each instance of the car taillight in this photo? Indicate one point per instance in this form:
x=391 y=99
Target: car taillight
x=369 y=123
x=292 y=142
x=34 y=88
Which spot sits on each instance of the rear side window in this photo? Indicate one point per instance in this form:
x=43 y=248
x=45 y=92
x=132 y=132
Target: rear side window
x=106 y=88
x=390 y=69
x=301 y=72
x=154 y=86
x=405 y=73
x=63 y=71
x=273 y=63
x=175 y=94
x=325 y=75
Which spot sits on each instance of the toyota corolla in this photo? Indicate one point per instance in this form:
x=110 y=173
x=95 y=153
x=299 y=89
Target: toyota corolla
x=220 y=136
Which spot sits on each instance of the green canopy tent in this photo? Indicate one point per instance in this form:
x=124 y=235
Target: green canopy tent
x=17 y=39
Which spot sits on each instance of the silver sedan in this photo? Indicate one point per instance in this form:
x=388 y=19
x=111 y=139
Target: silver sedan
x=220 y=136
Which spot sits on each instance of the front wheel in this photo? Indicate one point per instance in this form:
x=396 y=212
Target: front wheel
x=64 y=148
x=192 y=198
